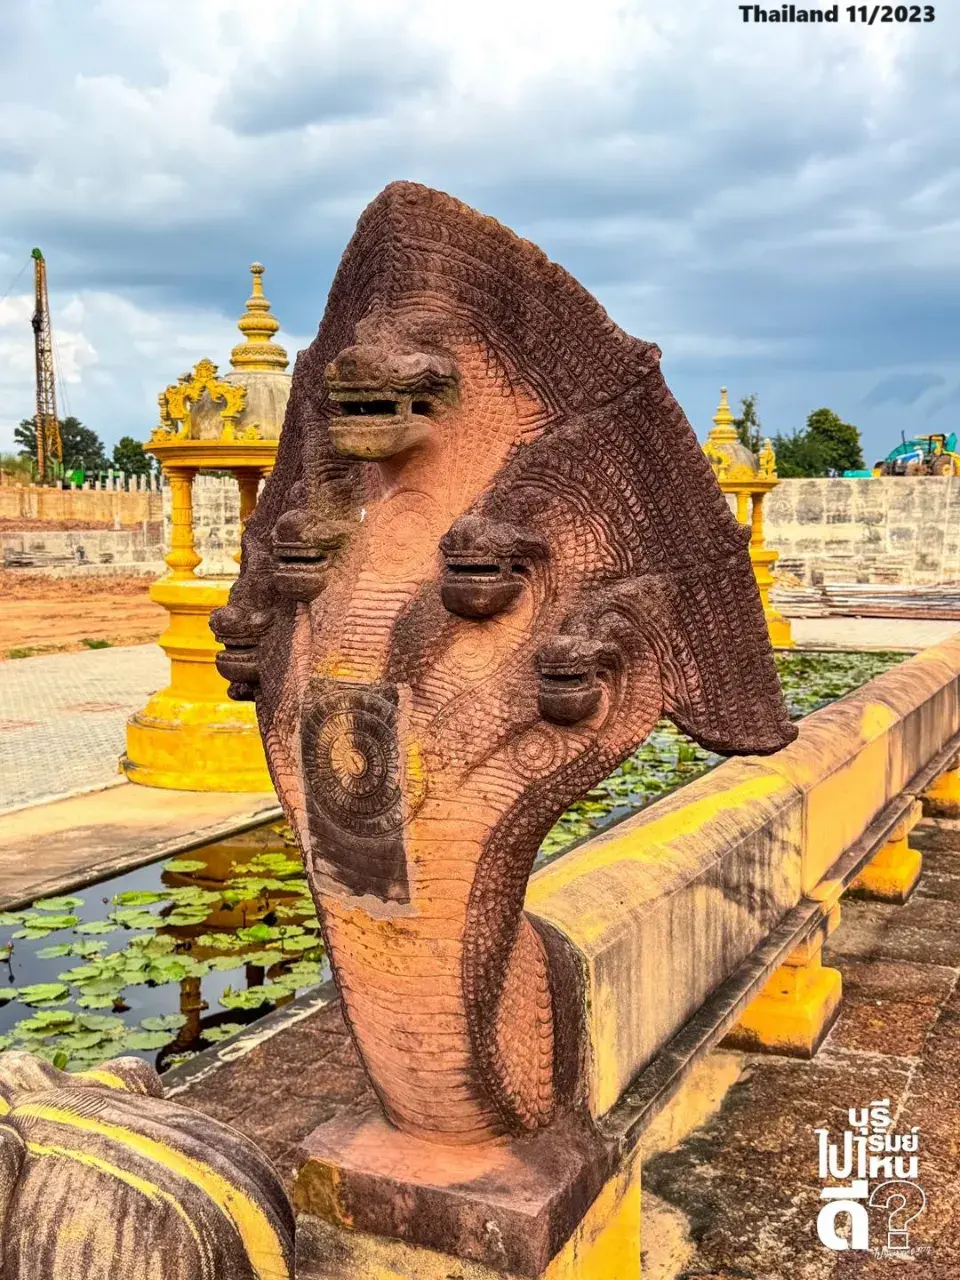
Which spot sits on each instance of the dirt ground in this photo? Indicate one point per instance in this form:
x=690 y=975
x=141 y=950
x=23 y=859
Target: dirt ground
x=39 y=614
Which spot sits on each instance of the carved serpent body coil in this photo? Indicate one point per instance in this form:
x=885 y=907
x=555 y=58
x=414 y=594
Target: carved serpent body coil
x=493 y=555
x=102 y=1179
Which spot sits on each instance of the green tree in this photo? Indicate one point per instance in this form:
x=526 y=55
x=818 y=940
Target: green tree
x=19 y=468
x=748 y=424
x=826 y=446
x=837 y=441
x=798 y=455
x=80 y=443
x=128 y=455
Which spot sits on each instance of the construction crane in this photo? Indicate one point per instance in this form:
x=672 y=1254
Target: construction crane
x=49 y=444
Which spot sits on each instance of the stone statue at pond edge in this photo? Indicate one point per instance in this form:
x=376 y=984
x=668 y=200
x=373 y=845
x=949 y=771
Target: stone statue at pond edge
x=491 y=556
x=102 y=1179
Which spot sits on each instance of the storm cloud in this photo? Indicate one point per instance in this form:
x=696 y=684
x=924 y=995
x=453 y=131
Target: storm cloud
x=775 y=206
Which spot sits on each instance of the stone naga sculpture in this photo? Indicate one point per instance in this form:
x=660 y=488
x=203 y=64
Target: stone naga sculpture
x=102 y=1179
x=490 y=557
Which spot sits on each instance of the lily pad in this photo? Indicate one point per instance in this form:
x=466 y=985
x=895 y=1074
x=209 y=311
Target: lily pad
x=57 y=904
x=167 y=1022
x=50 y=953
x=99 y=1022
x=97 y=1001
x=250 y=998
x=185 y=865
x=139 y=898
x=41 y=993
x=146 y=1040
x=45 y=1020
x=226 y=1029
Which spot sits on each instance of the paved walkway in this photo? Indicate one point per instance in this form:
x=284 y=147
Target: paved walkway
x=905 y=635
x=63 y=719
x=745 y=1189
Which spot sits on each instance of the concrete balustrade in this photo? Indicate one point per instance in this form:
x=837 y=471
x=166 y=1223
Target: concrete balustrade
x=664 y=908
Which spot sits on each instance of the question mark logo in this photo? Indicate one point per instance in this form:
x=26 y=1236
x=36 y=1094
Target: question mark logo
x=899 y=1199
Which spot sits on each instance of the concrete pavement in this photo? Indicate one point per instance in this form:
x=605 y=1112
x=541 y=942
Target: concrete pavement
x=63 y=719
x=903 y=635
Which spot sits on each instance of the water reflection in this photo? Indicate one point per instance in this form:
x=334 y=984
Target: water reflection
x=163 y=961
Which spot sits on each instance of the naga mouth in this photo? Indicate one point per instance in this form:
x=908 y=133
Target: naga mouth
x=570 y=689
x=372 y=428
x=239 y=630
x=303 y=550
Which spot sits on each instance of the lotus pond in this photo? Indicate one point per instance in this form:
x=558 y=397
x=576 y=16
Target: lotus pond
x=178 y=955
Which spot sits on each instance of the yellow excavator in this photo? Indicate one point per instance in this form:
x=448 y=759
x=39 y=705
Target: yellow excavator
x=933 y=455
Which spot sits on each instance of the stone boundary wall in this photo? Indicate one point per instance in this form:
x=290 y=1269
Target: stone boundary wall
x=893 y=529
x=664 y=907
x=98 y=506
x=216 y=522
x=139 y=550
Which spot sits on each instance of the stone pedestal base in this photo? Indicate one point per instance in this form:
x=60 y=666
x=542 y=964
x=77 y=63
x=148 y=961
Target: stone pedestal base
x=795 y=1010
x=892 y=875
x=378 y=1203
x=190 y=736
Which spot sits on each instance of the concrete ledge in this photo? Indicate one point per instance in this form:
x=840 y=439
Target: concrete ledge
x=67 y=844
x=666 y=907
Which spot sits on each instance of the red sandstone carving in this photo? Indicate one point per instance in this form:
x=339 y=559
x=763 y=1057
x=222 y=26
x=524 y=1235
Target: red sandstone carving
x=490 y=557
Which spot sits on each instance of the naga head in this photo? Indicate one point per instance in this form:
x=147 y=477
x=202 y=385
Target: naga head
x=490 y=557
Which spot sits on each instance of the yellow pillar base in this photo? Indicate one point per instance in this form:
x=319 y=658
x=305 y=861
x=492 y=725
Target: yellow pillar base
x=190 y=736
x=892 y=874
x=794 y=1011
x=778 y=629
x=942 y=798
x=605 y=1246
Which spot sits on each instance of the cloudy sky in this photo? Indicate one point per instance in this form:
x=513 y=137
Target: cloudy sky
x=777 y=206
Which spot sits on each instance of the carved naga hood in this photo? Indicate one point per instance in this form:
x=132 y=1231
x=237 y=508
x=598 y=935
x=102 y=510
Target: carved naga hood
x=492 y=554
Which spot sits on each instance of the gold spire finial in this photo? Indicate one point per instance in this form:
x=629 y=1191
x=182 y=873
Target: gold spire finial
x=723 y=428
x=258 y=326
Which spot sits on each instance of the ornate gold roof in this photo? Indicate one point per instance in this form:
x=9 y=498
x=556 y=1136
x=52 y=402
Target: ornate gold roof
x=244 y=410
x=729 y=459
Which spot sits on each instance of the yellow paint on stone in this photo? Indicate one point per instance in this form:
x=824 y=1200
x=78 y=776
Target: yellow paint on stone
x=942 y=797
x=605 y=1246
x=190 y=736
x=259 y=1237
x=645 y=844
x=795 y=1009
x=892 y=874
